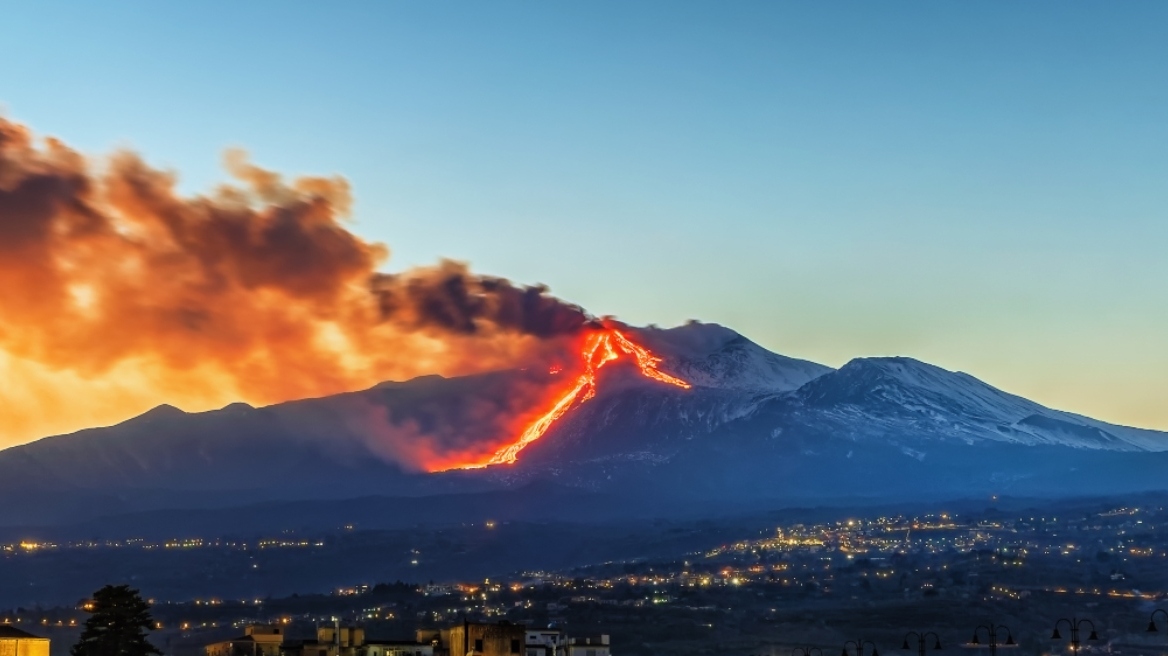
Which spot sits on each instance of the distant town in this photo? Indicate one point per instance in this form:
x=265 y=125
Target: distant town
x=798 y=584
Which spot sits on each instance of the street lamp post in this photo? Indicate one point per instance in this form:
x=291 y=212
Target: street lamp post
x=992 y=633
x=859 y=646
x=1074 y=625
x=805 y=651
x=1152 y=619
x=921 y=639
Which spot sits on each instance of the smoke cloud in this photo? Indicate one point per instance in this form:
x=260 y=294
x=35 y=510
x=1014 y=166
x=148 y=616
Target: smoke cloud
x=117 y=293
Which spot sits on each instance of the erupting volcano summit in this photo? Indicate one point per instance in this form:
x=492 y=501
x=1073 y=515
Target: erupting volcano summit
x=600 y=348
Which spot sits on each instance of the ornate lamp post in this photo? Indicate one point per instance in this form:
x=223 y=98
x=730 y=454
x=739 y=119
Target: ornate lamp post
x=805 y=651
x=1074 y=625
x=921 y=638
x=992 y=633
x=1152 y=619
x=859 y=645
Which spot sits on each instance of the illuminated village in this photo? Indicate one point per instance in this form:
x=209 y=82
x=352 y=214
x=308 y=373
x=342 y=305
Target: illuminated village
x=800 y=584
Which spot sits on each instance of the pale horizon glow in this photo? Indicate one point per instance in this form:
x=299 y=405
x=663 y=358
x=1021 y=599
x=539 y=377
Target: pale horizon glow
x=978 y=186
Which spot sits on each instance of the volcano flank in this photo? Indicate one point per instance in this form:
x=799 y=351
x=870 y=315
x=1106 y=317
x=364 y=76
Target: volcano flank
x=600 y=348
x=662 y=418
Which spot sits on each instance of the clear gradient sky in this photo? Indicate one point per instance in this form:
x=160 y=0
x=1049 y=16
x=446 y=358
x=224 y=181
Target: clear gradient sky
x=979 y=185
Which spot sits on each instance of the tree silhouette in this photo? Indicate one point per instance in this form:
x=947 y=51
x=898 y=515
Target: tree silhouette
x=118 y=625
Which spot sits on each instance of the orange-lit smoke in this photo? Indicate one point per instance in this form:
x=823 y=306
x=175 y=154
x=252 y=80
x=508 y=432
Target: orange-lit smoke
x=117 y=293
x=599 y=349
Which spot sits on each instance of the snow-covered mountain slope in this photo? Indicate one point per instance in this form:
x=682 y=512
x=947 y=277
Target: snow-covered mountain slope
x=909 y=398
x=709 y=355
x=878 y=428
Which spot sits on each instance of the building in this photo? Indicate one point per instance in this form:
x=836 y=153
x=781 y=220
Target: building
x=543 y=642
x=350 y=641
x=333 y=640
x=432 y=637
x=481 y=639
x=257 y=640
x=589 y=646
x=380 y=648
x=14 y=642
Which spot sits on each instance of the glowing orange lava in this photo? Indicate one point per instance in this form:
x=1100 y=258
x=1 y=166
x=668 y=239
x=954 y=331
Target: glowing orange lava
x=599 y=349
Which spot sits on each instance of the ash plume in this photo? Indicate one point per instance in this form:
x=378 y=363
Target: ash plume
x=118 y=293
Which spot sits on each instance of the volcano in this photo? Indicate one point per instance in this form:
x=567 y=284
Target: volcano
x=600 y=348
x=685 y=416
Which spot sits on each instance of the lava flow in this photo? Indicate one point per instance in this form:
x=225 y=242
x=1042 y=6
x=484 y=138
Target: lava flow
x=599 y=349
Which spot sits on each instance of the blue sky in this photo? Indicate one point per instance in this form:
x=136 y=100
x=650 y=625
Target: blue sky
x=979 y=185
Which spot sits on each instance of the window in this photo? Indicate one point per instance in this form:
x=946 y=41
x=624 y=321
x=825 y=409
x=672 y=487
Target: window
x=479 y=645
x=514 y=645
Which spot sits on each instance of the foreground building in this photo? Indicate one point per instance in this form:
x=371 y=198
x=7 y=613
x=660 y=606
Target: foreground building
x=331 y=641
x=543 y=642
x=14 y=642
x=587 y=646
x=506 y=639
x=257 y=640
x=350 y=641
x=479 y=639
x=465 y=639
x=397 y=649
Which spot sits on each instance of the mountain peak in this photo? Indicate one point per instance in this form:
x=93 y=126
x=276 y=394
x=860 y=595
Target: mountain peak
x=711 y=355
x=163 y=411
x=693 y=337
x=894 y=364
x=907 y=371
x=425 y=379
x=910 y=383
x=936 y=402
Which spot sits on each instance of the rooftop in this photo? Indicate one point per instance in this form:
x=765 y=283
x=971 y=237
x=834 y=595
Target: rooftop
x=11 y=632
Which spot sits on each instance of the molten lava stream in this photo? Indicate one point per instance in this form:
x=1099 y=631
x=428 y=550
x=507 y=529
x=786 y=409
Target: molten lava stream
x=599 y=349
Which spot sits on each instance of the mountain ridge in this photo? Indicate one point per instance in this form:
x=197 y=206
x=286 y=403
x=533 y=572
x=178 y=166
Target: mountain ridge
x=909 y=386
x=751 y=415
